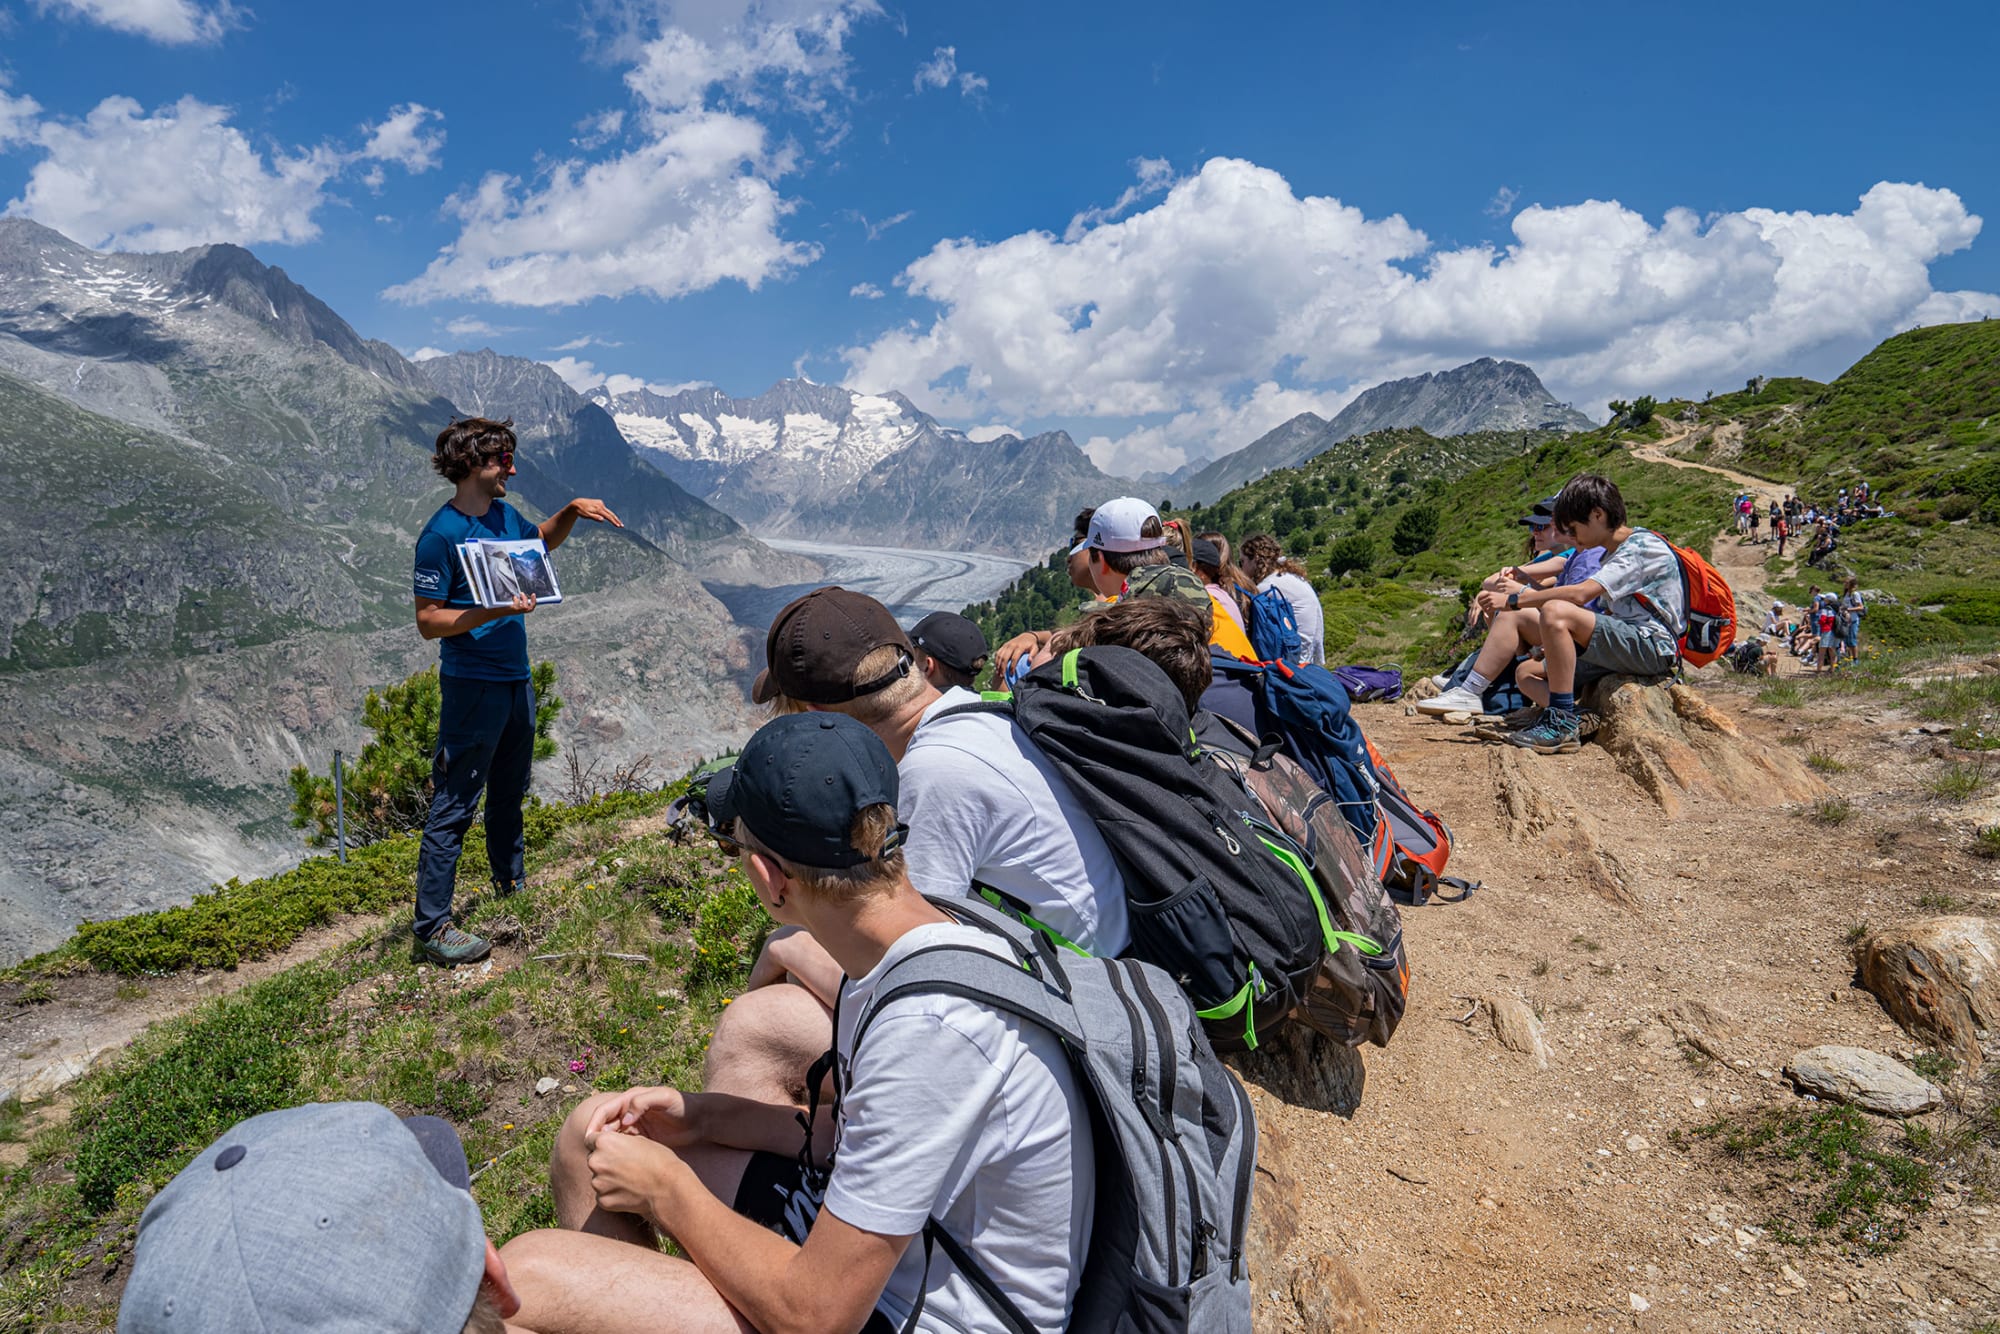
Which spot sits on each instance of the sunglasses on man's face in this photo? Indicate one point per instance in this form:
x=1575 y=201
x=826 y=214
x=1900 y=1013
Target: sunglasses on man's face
x=502 y=460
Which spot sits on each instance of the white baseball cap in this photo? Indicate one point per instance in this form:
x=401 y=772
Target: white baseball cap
x=1118 y=524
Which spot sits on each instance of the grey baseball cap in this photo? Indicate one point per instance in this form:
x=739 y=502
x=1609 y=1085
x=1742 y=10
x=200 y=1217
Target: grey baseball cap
x=336 y=1217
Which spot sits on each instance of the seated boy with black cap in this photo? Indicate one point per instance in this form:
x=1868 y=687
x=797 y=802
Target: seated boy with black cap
x=953 y=1113
x=950 y=649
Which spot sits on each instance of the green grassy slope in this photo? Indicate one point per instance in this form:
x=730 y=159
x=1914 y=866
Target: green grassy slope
x=1399 y=608
x=1918 y=418
x=361 y=1023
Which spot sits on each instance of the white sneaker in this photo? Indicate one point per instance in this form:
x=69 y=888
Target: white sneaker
x=1457 y=700
x=1441 y=680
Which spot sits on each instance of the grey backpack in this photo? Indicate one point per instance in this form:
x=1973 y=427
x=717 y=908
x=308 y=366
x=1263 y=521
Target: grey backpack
x=1176 y=1141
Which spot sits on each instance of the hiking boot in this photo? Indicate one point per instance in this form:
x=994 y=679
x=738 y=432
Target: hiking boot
x=1456 y=700
x=1556 y=734
x=1524 y=717
x=451 y=947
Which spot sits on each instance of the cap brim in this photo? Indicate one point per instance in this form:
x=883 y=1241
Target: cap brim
x=763 y=690
x=1080 y=547
x=720 y=791
x=442 y=1146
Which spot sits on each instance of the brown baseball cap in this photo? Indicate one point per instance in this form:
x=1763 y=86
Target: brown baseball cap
x=817 y=642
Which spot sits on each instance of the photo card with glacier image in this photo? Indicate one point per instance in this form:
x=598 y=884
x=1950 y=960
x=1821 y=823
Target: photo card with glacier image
x=507 y=569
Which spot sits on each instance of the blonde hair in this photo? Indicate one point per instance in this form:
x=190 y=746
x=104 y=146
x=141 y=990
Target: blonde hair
x=879 y=874
x=891 y=699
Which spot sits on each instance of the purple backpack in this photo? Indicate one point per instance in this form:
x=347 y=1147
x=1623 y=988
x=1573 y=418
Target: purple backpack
x=1368 y=683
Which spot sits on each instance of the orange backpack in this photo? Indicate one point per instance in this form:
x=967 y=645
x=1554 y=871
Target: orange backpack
x=1711 y=607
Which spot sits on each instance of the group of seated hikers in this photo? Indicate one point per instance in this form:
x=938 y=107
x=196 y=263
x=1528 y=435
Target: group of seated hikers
x=971 y=1083
x=1596 y=597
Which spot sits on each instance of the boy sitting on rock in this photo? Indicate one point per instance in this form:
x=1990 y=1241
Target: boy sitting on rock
x=954 y=1113
x=1636 y=634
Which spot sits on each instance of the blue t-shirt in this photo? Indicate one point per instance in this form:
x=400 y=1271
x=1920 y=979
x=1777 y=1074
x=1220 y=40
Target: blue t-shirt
x=1580 y=566
x=497 y=650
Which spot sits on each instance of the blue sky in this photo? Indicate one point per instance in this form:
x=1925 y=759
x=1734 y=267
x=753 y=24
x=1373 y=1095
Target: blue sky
x=1163 y=228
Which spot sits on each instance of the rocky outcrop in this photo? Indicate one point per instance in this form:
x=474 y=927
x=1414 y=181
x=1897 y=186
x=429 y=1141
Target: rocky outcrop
x=1671 y=743
x=1703 y=1028
x=1939 y=979
x=1863 y=1078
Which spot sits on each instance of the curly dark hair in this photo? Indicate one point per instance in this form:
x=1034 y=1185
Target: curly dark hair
x=468 y=442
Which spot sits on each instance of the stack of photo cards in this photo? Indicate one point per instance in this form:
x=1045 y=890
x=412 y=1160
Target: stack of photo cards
x=498 y=572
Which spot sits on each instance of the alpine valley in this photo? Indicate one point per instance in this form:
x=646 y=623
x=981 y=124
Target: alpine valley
x=214 y=485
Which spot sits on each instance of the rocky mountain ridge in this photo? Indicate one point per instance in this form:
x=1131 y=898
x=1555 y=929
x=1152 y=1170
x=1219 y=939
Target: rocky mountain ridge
x=214 y=487
x=823 y=462
x=1482 y=395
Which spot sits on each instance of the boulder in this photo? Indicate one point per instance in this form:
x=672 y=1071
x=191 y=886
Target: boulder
x=1670 y=742
x=1518 y=1029
x=1938 y=978
x=1306 y=1069
x=1867 y=1079
x=1331 y=1300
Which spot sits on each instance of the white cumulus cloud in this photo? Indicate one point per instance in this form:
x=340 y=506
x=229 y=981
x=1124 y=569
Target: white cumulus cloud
x=407 y=137
x=578 y=375
x=426 y=353
x=173 y=22
x=583 y=376
x=867 y=291
x=1234 y=298
x=694 y=202
x=942 y=71
x=177 y=177
x=19 y=117
x=467 y=326
x=682 y=213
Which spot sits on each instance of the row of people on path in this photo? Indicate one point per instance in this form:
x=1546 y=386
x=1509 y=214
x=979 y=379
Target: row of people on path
x=1825 y=629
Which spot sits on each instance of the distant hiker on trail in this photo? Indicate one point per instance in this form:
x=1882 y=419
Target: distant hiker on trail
x=332 y=1216
x=950 y=649
x=486 y=713
x=1851 y=610
x=949 y=1116
x=1781 y=528
x=1826 y=625
x=1266 y=563
x=1637 y=633
x=1756 y=517
x=1745 y=507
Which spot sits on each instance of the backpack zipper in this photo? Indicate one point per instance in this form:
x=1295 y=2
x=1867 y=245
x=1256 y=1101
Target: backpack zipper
x=1246 y=1130
x=1114 y=973
x=1203 y=1230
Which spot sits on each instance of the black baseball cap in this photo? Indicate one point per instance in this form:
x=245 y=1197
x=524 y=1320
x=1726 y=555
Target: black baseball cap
x=816 y=643
x=951 y=639
x=1542 y=515
x=799 y=784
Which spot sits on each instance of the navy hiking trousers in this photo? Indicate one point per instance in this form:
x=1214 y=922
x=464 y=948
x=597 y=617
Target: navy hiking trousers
x=486 y=742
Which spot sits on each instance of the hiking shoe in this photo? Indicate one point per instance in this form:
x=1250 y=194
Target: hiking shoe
x=1525 y=716
x=1587 y=725
x=451 y=947
x=1456 y=700
x=1556 y=734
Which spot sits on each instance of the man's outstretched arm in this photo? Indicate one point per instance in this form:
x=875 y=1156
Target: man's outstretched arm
x=435 y=620
x=555 y=528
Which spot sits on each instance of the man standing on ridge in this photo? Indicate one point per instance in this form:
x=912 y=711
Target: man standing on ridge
x=486 y=711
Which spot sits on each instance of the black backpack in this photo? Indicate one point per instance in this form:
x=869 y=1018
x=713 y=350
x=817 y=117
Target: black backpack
x=1210 y=896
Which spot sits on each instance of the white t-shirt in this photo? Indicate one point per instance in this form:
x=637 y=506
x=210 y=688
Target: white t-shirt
x=1305 y=611
x=964 y=1114
x=1643 y=564
x=983 y=804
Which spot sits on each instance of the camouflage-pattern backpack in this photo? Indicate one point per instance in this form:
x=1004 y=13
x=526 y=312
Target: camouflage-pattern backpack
x=1356 y=997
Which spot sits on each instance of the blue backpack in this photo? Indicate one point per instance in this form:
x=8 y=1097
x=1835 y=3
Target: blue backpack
x=1273 y=630
x=1306 y=707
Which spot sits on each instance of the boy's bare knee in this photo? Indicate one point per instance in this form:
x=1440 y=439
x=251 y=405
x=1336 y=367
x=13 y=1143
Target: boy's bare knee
x=569 y=1139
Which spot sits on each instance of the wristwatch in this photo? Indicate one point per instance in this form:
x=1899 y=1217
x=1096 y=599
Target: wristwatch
x=1513 y=601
